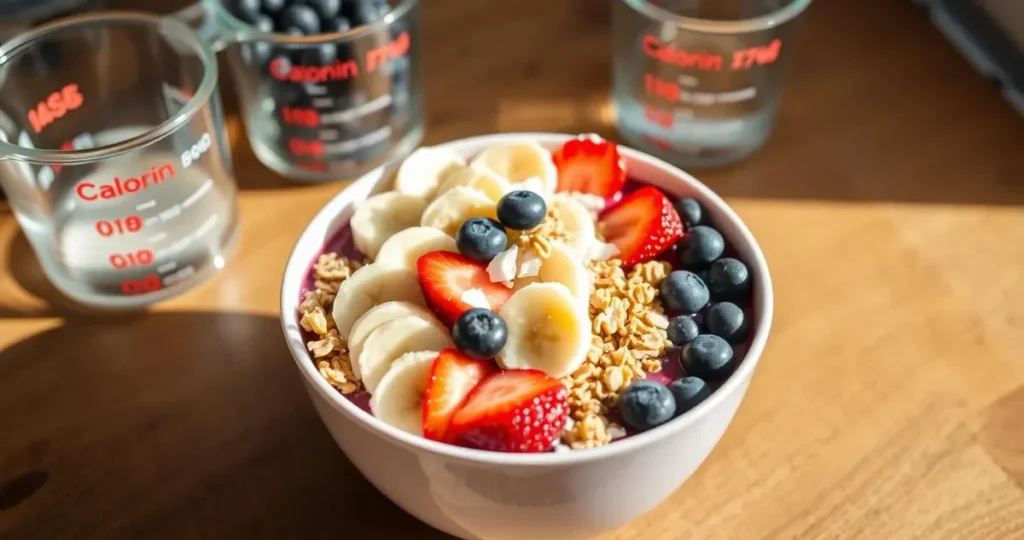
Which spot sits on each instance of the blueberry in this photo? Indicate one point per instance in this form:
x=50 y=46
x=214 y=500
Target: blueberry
x=688 y=393
x=646 y=404
x=481 y=239
x=247 y=10
x=684 y=292
x=271 y=7
x=302 y=17
x=294 y=31
x=367 y=11
x=691 y=212
x=264 y=23
x=682 y=330
x=480 y=333
x=727 y=321
x=257 y=52
x=708 y=357
x=338 y=24
x=326 y=9
x=322 y=54
x=521 y=210
x=728 y=279
x=701 y=246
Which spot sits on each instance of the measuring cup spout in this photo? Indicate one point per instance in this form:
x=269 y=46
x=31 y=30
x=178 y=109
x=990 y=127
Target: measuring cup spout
x=210 y=22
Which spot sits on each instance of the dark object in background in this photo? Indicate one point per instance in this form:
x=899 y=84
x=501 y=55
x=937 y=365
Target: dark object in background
x=990 y=35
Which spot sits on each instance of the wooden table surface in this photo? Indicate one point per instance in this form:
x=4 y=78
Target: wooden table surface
x=888 y=405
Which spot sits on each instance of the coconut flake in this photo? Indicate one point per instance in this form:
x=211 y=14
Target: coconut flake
x=602 y=251
x=531 y=265
x=476 y=298
x=615 y=431
x=502 y=268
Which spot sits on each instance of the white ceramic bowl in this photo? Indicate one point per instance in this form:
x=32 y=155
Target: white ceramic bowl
x=474 y=494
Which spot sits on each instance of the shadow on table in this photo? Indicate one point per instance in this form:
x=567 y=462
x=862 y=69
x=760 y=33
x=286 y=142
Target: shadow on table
x=174 y=425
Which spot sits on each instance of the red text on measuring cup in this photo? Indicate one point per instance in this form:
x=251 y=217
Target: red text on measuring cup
x=55 y=106
x=145 y=284
x=118 y=226
x=90 y=191
x=297 y=116
x=305 y=147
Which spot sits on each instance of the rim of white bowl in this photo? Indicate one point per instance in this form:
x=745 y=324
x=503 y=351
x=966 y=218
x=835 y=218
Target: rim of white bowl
x=299 y=264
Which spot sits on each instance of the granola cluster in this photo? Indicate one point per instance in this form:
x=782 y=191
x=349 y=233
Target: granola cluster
x=629 y=338
x=539 y=238
x=329 y=350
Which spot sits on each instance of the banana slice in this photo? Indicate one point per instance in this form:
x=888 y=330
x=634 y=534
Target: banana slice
x=395 y=338
x=424 y=170
x=398 y=399
x=548 y=330
x=381 y=216
x=485 y=181
x=562 y=265
x=371 y=285
x=460 y=203
x=520 y=161
x=577 y=222
x=405 y=247
x=377 y=317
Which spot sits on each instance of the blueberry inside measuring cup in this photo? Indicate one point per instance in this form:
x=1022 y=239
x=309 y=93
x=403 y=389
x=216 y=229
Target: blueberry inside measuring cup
x=337 y=102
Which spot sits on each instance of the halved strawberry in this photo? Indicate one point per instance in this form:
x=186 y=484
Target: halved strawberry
x=444 y=276
x=642 y=225
x=519 y=410
x=589 y=164
x=452 y=376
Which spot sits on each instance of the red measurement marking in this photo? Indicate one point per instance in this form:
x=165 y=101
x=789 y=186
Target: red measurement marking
x=667 y=90
x=55 y=106
x=67 y=146
x=300 y=117
x=304 y=147
x=90 y=191
x=379 y=56
x=145 y=284
x=282 y=70
x=659 y=117
x=126 y=225
x=657 y=141
x=315 y=167
x=670 y=54
x=757 y=56
x=137 y=258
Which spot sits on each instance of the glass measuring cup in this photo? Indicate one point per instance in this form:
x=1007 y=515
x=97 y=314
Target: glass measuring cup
x=113 y=156
x=330 y=99
x=698 y=82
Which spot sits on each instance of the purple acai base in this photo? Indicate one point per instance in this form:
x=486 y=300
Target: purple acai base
x=342 y=244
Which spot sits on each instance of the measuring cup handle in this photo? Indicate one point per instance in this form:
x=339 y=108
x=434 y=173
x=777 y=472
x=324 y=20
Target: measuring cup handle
x=211 y=22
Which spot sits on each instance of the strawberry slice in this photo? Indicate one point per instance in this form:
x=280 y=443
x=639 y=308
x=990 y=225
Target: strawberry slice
x=519 y=410
x=444 y=276
x=452 y=376
x=642 y=225
x=589 y=164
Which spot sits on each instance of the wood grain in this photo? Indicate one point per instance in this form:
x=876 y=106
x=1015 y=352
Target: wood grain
x=888 y=403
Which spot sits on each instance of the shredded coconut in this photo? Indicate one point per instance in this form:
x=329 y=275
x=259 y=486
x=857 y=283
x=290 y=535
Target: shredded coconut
x=502 y=268
x=476 y=298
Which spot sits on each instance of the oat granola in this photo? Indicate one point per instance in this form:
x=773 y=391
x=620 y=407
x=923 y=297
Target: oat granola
x=539 y=238
x=628 y=340
x=329 y=350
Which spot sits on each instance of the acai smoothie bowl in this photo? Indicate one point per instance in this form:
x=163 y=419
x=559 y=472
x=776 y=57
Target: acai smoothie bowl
x=527 y=335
